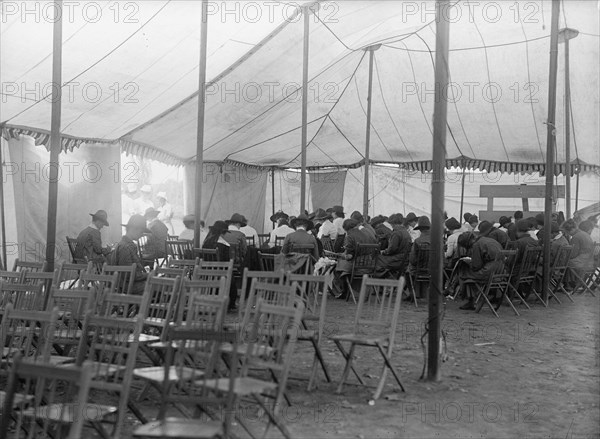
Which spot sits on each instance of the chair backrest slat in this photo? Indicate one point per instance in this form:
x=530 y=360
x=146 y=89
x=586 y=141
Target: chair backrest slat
x=125 y=276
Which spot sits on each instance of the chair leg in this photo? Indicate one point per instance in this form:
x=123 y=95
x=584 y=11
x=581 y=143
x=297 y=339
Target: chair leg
x=348 y=366
x=486 y=300
x=505 y=296
x=317 y=359
x=350 y=290
x=273 y=418
x=388 y=363
x=582 y=283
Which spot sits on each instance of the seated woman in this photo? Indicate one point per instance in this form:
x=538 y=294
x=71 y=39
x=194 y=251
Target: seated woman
x=582 y=255
x=215 y=240
x=394 y=258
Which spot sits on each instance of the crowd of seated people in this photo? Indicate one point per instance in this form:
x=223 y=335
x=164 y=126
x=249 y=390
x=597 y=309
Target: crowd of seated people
x=477 y=244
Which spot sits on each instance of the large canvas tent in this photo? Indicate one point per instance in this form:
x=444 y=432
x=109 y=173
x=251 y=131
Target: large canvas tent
x=130 y=80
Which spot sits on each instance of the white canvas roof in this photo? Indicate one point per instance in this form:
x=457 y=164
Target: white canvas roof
x=141 y=58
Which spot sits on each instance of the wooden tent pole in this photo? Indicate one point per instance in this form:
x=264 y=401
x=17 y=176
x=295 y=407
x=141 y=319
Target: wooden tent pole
x=273 y=192
x=550 y=142
x=442 y=42
x=564 y=36
x=306 y=12
x=200 y=127
x=462 y=192
x=371 y=50
x=3 y=262
x=55 y=143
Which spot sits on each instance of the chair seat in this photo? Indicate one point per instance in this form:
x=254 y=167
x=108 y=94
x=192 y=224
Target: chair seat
x=306 y=334
x=147 y=338
x=242 y=349
x=66 y=413
x=18 y=398
x=241 y=386
x=368 y=340
x=56 y=360
x=100 y=369
x=180 y=428
x=157 y=373
x=67 y=334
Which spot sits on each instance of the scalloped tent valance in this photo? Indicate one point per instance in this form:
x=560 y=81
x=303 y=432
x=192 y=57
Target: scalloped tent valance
x=133 y=80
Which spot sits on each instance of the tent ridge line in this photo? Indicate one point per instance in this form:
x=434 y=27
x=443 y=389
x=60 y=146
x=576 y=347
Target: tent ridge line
x=221 y=75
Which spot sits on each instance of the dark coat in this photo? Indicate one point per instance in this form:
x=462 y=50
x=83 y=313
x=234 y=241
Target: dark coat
x=301 y=237
x=395 y=256
x=89 y=245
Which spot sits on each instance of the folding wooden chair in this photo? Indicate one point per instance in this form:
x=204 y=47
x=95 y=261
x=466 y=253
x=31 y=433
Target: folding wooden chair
x=22 y=296
x=589 y=279
x=44 y=401
x=364 y=262
x=187 y=264
x=29 y=333
x=169 y=272
x=14 y=277
x=523 y=283
x=210 y=270
x=421 y=274
x=275 y=277
x=313 y=292
x=499 y=280
x=46 y=279
x=194 y=387
x=327 y=244
x=279 y=242
x=72 y=305
x=125 y=276
x=110 y=344
x=263 y=238
x=558 y=271
x=68 y=274
x=27 y=265
x=72 y=244
x=266 y=261
x=206 y=254
x=180 y=249
x=270 y=349
x=250 y=241
x=146 y=254
x=100 y=284
x=123 y=306
x=374 y=325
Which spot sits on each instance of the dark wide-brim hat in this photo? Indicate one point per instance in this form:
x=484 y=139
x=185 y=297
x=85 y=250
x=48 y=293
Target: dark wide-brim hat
x=350 y=224
x=101 y=216
x=379 y=219
x=277 y=215
x=485 y=227
x=236 y=218
x=302 y=219
x=137 y=222
x=320 y=214
x=423 y=223
x=396 y=218
x=339 y=210
x=411 y=217
x=523 y=226
x=357 y=216
x=452 y=224
x=219 y=227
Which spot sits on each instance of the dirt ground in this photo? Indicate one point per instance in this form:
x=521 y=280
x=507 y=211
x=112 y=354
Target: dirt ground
x=529 y=376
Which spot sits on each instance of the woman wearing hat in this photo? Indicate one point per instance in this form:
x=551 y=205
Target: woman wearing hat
x=451 y=252
x=165 y=211
x=301 y=236
x=282 y=229
x=89 y=241
x=214 y=240
x=157 y=241
x=126 y=252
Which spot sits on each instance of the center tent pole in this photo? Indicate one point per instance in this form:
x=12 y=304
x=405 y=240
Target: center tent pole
x=442 y=42
x=200 y=133
x=55 y=143
x=550 y=142
x=371 y=50
x=306 y=11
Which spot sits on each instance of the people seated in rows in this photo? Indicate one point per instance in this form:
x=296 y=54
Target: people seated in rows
x=524 y=239
x=300 y=236
x=383 y=230
x=511 y=228
x=352 y=238
x=165 y=211
x=250 y=232
x=326 y=227
x=126 y=251
x=282 y=228
x=338 y=215
x=89 y=241
x=156 y=247
x=394 y=257
x=486 y=256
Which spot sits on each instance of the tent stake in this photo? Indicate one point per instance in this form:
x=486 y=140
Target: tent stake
x=306 y=12
x=371 y=50
x=550 y=142
x=200 y=132
x=442 y=42
x=55 y=143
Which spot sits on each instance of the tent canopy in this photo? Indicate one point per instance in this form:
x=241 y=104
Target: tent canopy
x=131 y=76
